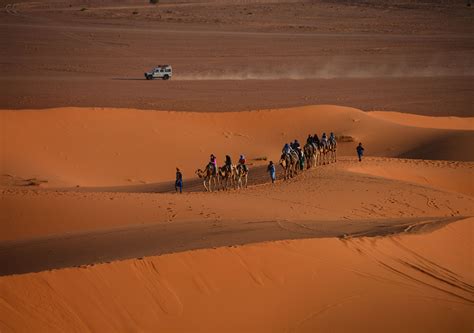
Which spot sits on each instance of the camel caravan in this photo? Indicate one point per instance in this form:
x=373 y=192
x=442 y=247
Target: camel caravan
x=294 y=158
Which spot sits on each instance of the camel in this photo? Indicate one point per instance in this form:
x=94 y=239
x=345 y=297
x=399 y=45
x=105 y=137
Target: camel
x=290 y=164
x=242 y=176
x=208 y=176
x=324 y=152
x=310 y=154
x=317 y=154
x=227 y=177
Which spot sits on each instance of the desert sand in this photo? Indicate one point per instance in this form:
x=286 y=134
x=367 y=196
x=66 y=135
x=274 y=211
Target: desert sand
x=285 y=286
x=323 y=228
x=93 y=237
x=104 y=147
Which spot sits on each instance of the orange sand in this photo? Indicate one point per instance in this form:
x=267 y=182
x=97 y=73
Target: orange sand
x=304 y=286
x=104 y=147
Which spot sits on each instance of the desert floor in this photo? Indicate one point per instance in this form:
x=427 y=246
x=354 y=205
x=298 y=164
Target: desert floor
x=93 y=237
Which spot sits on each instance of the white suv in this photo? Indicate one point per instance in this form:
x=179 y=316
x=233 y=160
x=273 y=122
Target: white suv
x=164 y=72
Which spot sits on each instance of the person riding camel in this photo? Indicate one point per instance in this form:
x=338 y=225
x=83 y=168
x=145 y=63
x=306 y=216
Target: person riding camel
x=324 y=140
x=296 y=145
x=228 y=163
x=332 y=138
x=309 y=140
x=242 y=162
x=286 y=149
x=213 y=164
x=316 y=140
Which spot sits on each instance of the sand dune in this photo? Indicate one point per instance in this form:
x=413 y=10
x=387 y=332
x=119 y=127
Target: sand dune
x=304 y=285
x=105 y=147
x=454 y=123
x=447 y=175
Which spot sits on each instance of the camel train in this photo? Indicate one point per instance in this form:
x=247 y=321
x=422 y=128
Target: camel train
x=293 y=159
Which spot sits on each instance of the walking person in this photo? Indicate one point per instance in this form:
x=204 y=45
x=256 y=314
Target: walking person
x=271 y=170
x=360 y=151
x=178 y=184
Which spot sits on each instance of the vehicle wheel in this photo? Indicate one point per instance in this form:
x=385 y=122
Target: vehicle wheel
x=166 y=77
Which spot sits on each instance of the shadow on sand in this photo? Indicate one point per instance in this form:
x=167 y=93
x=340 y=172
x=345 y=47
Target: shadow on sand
x=127 y=79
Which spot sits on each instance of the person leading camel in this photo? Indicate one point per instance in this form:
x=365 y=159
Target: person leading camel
x=178 y=184
x=271 y=170
x=360 y=151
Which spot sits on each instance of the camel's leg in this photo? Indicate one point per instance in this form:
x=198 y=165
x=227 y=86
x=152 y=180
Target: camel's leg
x=204 y=183
x=217 y=183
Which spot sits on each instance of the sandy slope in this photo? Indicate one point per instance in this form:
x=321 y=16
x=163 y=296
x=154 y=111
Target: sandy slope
x=325 y=193
x=454 y=123
x=287 y=286
x=95 y=146
x=447 y=175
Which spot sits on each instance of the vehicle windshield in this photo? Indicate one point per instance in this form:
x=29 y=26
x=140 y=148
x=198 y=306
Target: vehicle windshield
x=161 y=69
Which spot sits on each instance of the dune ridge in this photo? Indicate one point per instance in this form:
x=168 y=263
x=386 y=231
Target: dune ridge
x=406 y=119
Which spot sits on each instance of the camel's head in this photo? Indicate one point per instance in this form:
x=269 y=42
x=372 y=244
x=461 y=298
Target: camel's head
x=199 y=173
